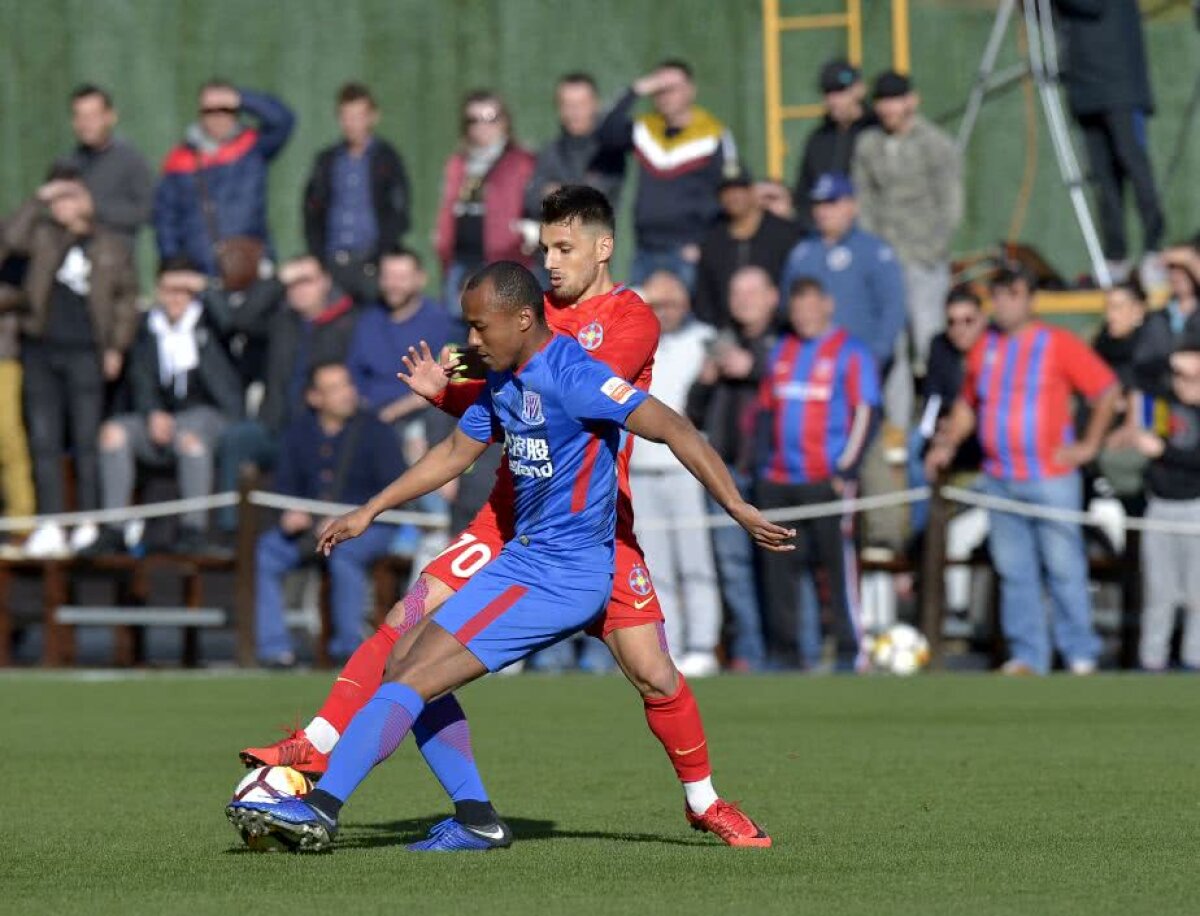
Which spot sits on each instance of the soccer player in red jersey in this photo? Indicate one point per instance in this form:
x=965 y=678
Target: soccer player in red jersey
x=613 y=324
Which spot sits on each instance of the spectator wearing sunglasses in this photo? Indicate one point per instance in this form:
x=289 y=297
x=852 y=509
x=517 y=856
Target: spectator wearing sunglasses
x=965 y=324
x=483 y=194
x=214 y=184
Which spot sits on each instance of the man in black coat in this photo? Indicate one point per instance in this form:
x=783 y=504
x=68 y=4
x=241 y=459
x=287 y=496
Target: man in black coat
x=356 y=202
x=1108 y=91
x=830 y=146
x=185 y=391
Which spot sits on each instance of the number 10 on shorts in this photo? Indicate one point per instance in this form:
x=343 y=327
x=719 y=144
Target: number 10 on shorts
x=473 y=555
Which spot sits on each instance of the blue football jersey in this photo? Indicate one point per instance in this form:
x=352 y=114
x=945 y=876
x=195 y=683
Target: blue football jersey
x=559 y=417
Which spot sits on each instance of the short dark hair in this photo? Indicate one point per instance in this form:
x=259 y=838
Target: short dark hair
x=515 y=287
x=64 y=170
x=310 y=380
x=802 y=286
x=177 y=262
x=86 y=90
x=578 y=77
x=1009 y=274
x=1132 y=286
x=963 y=293
x=581 y=202
x=400 y=251
x=355 y=92
x=677 y=63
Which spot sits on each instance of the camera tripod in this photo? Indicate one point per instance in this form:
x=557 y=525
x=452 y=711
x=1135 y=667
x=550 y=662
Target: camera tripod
x=1041 y=65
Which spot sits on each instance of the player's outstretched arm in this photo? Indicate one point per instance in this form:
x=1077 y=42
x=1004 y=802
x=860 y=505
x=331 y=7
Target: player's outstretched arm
x=657 y=422
x=440 y=465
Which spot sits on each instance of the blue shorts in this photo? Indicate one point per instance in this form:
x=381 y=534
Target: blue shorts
x=521 y=602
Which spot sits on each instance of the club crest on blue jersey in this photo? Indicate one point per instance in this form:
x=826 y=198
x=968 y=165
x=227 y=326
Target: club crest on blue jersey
x=639 y=581
x=591 y=336
x=531 y=408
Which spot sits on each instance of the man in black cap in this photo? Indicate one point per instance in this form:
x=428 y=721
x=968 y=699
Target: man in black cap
x=830 y=146
x=907 y=174
x=747 y=236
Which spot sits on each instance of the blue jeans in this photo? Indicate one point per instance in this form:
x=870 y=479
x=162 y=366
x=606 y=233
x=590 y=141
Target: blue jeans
x=738 y=576
x=349 y=566
x=915 y=475
x=1030 y=554
x=647 y=261
x=245 y=442
x=453 y=278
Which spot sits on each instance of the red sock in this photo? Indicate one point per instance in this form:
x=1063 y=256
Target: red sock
x=363 y=672
x=675 y=722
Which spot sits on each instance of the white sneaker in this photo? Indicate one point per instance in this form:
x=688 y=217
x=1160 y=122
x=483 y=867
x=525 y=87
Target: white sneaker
x=84 y=536
x=1153 y=275
x=1082 y=667
x=48 y=541
x=699 y=664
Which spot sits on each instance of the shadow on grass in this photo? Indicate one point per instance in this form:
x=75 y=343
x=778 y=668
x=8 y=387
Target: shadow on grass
x=525 y=829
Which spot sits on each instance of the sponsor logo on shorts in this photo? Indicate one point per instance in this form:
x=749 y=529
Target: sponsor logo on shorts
x=639 y=582
x=618 y=389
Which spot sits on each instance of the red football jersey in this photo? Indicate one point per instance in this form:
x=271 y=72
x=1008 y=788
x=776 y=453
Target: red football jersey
x=621 y=331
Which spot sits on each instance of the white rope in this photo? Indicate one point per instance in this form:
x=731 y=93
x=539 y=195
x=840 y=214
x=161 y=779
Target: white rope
x=127 y=514
x=320 y=507
x=837 y=507
x=1070 y=516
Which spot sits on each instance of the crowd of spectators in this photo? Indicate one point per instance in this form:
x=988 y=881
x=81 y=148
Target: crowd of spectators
x=813 y=335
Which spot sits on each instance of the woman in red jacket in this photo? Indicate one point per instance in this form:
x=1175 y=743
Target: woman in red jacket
x=482 y=195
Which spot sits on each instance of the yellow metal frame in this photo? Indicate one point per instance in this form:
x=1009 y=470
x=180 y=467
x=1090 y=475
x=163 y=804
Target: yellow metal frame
x=774 y=25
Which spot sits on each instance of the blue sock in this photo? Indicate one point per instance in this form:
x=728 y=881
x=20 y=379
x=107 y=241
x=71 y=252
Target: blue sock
x=371 y=737
x=444 y=739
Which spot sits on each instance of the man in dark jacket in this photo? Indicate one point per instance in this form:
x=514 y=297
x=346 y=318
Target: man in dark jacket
x=682 y=153
x=185 y=392
x=356 y=202
x=749 y=236
x=575 y=155
x=214 y=184
x=830 y=146
x=1108 y=91
x=338 y=454
x=722 y=403
x=81 y=313
x=308 y=321
x=115 y=173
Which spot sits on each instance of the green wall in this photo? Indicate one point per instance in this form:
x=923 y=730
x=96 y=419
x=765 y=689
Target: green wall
x=421 y=57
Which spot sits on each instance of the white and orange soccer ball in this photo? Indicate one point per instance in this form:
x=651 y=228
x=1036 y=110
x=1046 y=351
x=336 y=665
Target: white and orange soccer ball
x=269 y=784
x=900 y=649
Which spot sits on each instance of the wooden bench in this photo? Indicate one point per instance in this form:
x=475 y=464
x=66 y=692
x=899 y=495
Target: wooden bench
x=130 y=576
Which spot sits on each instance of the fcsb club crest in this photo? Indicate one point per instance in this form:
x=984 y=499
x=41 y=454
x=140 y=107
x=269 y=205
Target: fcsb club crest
x=823 y=371
x=639 y=581
x=591 y=336
x=531 y=408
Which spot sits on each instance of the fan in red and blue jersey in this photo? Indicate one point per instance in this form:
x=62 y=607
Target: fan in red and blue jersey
x=818 y=403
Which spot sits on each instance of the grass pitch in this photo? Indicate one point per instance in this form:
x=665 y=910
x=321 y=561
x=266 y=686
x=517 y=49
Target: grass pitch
x=925 y=796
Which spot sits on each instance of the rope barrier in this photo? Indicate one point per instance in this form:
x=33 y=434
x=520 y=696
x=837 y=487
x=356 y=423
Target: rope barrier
x=796 y=513
x=1070 y=516
x=267 y=500
x=127 y=514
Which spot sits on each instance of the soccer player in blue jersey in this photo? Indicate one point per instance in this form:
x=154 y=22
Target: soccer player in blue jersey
x=560 y=414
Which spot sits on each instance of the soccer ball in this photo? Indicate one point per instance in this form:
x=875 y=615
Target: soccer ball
x=269 y=784
x=900 y=649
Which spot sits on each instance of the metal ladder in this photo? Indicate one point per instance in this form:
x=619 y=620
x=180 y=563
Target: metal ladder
x=775 y=24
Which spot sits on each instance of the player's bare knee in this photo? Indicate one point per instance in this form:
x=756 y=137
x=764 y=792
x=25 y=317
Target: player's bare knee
x=655 y=677
x=421 y=600
x=112 y=437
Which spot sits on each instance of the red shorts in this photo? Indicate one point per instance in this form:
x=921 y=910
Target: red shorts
x=633 y=601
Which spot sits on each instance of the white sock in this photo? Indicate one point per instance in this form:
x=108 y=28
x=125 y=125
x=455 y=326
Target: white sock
x=700 y=794
x=322 y=735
